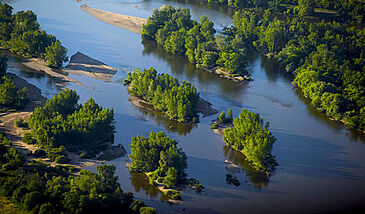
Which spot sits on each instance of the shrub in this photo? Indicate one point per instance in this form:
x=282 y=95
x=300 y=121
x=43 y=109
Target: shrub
x=40 y=153
x=20 y=123
x=28 y=138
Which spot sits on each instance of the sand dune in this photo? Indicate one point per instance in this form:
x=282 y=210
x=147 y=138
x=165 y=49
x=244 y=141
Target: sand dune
x=131 y=23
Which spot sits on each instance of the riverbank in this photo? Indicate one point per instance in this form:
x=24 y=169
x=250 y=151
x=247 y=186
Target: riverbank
x=131 y=23
x=15 y=134
x=82 y=64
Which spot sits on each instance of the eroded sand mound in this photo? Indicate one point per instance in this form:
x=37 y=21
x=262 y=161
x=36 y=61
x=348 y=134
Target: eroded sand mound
x=85 y=65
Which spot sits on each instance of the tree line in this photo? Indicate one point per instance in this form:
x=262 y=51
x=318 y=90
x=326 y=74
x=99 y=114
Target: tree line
x=326 y=59
x=21 y=34
x=40 y=188
x=252 y=137
x=179 y=34
x=165 y=93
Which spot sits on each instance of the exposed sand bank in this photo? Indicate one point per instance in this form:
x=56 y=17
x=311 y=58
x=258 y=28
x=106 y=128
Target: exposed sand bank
x=204 y=107
x=85 y=65
x=131 y=23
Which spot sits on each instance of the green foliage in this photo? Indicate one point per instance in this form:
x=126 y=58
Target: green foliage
x=179 y=34
x=158 y=155
x=173 y=194
x=61 y=121
x=21 y=34
x=223 y=118
x=147 y=210
x=56 y=55
x=43 y=189
x=20 y=123
x=178 y=101
x=28 y=138
x=252 y=138
x=10 y=95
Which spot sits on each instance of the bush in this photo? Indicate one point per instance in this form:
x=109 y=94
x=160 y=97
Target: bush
x=40 y=153
x=173 y=194
x=214 y=126
x=147 y=210
x=83 y=155
x=62 y=159
x=20 y=123
x=28 y=138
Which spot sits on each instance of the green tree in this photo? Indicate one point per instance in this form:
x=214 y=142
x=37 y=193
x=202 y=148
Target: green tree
x=56 y=55
x=3 y=64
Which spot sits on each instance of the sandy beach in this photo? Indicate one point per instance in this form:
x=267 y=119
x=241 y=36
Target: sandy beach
x=84 y=65
x=131 y=23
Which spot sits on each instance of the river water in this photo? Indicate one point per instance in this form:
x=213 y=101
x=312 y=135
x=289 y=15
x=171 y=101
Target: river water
x=321 y=164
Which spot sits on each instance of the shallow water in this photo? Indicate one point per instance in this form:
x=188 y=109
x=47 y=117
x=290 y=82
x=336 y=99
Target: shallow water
x=322 y=165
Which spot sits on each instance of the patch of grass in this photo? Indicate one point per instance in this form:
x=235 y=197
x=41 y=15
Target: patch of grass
x=6 y=207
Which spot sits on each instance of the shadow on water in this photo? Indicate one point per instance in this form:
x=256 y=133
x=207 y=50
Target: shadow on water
x=241 y=165
x=170 y=125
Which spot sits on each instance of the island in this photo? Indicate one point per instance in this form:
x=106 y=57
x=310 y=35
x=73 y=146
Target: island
x=179 y=101
x=248 y=135
x=164 y=164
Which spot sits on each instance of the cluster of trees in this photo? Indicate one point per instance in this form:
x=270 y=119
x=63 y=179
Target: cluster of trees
x=63 y=122
x=250 y=136
x=165 y=93
x=10 y=95
x=346 y=10
x=158 y=156
x=179 y=34
x=222 y=119
x=327 y=59
x=21 y=34
x=42 y=189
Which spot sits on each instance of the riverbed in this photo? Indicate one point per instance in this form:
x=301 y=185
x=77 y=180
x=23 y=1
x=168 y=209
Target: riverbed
x=321 y=163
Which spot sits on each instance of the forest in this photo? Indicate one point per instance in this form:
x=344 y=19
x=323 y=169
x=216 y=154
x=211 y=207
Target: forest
x=43 y=189
x=165 y=93
x=21 y=34
x=179 y=34
x=253 y=138
x=158 y=156
x=63 y=123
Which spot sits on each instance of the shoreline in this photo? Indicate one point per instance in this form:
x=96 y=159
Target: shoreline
x=15 y=134
x=130 y=23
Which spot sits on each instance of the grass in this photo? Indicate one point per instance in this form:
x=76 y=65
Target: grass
x=7 y=207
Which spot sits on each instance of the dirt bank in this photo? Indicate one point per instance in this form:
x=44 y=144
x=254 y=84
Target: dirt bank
x=131 y=23
x=204 y=107
x=85 y=65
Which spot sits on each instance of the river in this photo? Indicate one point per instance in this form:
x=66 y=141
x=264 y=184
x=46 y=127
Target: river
x=321 y=163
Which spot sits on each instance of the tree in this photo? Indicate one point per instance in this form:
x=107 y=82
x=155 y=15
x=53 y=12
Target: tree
x=56 y=55
x=3 y=64
x=305 y=7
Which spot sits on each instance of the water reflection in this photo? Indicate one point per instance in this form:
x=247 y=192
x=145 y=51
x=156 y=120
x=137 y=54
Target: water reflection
x=140 y=183
x=241 y=165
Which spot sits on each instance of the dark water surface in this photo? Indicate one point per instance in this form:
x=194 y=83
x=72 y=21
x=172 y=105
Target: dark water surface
x=322 y=165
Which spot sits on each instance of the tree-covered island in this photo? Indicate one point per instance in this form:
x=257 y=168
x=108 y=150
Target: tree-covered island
x=248 y=134
x=179 y=101
x=163 y=162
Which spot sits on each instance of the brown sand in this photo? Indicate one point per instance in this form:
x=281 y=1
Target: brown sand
x=131 y=23
x=85 y=65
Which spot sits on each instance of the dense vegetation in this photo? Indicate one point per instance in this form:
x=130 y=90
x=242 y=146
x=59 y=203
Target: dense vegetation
x=21 y=34
x=250 y=136
x=179 y=34
x=39 y=188
x=158 y=156
x=62 y=122
x=327 y=59
x=165 y=93
x=349 y=11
